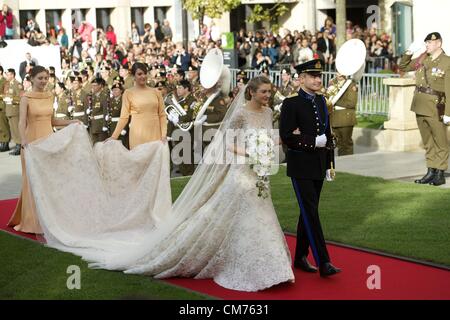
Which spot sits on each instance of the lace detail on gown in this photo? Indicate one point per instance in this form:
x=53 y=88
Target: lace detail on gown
x=234 y=237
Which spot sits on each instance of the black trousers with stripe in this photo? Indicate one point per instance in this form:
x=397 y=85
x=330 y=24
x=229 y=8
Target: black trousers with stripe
x=309 y=229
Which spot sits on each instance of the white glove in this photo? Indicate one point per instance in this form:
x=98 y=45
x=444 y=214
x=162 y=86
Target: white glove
x=173 y=118
x=104 y=129
x=200 y=121
x=321 y=141
x=446 y=120
x=107 y=117
x=416 y=46
x=329 y=176
x=88 y=111
x=70 y=108
x=123 y=132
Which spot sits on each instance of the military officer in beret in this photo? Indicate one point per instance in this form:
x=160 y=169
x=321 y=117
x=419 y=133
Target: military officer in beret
x=114 y=113
x=98 y=128
x=305 y=130
x=5 y=135
x=78 y=101
x=343 y=117
x=431 y=103
x=11 y=97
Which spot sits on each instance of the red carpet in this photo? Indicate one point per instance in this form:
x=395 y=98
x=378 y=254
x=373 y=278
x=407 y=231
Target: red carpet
x=399 y=279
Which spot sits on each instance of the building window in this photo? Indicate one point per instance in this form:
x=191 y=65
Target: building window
x=137 y=16
x=161 y=14
x=53 y=20
x=24 y=17
x=103 y=17
x=78 y=15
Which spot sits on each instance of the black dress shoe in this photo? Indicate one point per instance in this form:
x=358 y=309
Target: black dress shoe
x=327 y=269
x=439 y=178
x=428 y=177
x=303 y=264
x=4 y=146
x=16 y=150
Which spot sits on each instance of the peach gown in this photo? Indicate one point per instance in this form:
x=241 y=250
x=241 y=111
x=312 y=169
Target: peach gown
x=148 y=119
x=39 y=125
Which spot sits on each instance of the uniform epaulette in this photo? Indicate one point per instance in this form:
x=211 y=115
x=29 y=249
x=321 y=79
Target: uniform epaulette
x=292 y=95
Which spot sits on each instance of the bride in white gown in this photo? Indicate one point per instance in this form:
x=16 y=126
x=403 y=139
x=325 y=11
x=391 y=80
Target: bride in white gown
x=218 y=228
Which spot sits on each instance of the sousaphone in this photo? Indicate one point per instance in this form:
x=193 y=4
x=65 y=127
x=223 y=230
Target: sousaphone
x=214 y=74
x=350 y=63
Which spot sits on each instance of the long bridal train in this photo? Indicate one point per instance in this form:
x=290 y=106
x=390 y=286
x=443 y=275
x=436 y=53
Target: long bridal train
x=104 y=197
x=112 y=207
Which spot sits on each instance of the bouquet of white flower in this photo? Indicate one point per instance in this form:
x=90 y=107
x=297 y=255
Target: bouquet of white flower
x=261 y=153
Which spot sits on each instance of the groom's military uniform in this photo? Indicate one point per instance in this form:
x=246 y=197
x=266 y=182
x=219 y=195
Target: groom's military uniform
x=307 y=164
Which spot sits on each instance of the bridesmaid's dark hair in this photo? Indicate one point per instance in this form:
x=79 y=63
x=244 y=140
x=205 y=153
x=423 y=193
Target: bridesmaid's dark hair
x=254 y=84
x=138 y=66
x=36 y=70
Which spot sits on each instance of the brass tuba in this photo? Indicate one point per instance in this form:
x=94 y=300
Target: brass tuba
x=350 y=63
x=175 y=110
x=214 y=74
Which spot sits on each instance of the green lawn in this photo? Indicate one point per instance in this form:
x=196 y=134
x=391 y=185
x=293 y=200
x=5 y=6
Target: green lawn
x=371 y=121
x=400 y=218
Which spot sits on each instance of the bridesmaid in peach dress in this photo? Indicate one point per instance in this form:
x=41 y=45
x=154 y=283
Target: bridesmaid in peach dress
x=146 y=107
x=36 y=122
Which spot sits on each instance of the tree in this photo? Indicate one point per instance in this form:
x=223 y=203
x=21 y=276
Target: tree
x=268 y=14
x=211 y=8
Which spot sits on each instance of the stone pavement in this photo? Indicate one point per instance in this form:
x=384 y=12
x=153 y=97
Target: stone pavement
x=401 y=166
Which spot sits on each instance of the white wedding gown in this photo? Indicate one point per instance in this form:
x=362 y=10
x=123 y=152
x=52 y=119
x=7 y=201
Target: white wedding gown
x=218 y=228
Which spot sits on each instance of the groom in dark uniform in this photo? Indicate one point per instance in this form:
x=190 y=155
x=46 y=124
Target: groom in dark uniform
x=305 y=130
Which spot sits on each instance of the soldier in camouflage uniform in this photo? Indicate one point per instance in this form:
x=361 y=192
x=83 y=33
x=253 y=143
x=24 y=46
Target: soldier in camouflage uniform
x=5 y=135
x=431 y=103
x=343 y=117
x=11 y=96
x=98 y=128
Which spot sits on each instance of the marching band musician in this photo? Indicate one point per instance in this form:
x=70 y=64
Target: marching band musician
x=343 y=117
x=186 y=100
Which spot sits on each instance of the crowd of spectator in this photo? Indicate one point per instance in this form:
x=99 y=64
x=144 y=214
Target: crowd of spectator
x=262 y=49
